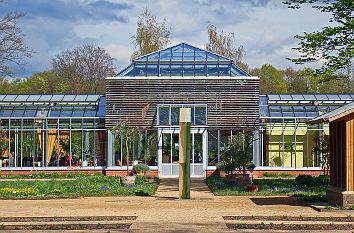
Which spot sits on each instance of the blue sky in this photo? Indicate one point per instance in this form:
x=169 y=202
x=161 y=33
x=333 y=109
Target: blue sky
x=266 y=28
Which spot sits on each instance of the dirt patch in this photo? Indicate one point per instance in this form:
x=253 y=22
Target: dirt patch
x=66 y=226
x=291 y=227
x=65 y=219
x=289 y=218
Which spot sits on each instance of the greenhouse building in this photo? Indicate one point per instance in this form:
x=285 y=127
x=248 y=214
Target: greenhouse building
x=137 y=121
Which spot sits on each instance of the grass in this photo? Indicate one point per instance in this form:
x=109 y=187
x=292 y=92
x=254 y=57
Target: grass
x=339 y=207
x=277 y=186
x=45 y=176
x=83 y=185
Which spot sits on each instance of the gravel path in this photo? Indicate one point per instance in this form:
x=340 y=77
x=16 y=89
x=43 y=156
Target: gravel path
x=164 y=212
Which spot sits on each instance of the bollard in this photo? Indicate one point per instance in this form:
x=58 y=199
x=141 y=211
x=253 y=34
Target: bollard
x=184 y=153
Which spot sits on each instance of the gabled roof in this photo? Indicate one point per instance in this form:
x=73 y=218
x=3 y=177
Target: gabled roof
x=182 y=52
x=335 y=114
x=182 y=60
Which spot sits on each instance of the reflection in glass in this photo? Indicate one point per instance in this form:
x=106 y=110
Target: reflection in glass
x=212 y=147
x=175 y=147
x=166 y=148
x=198 y=148
x=164 y=115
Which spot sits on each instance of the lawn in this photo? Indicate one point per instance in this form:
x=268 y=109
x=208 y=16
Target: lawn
x=306 y=187
x=78 y=185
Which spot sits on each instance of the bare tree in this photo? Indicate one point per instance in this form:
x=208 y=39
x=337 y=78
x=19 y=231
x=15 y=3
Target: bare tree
x=224 y=44
x=151 y=34
x=13 y=49
x=84 y=68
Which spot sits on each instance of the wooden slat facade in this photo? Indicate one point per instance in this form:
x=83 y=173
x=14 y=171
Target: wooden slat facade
x=342 y=153
x=232 y=103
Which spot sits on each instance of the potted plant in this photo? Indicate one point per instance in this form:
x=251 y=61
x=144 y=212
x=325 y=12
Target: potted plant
x=141 y=169
x=221 y=168
x=251 y=187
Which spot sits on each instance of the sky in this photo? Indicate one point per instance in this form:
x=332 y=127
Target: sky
x=266 y=28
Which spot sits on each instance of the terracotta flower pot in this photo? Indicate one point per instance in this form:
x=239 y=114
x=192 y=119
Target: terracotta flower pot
x=252 y=188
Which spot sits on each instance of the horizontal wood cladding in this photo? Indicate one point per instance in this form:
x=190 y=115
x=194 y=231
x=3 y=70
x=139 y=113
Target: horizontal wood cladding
x=231 y=103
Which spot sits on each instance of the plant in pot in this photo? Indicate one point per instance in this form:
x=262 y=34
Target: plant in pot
x=221 y=168
x=141 y=169
x=252 y=187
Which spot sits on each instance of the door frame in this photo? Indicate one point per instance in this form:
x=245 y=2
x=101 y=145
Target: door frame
x=194 y=130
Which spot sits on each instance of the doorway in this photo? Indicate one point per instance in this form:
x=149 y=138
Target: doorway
x=169 y=152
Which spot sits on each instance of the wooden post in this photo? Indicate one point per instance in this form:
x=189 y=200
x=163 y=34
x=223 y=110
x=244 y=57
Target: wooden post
x=184 y=153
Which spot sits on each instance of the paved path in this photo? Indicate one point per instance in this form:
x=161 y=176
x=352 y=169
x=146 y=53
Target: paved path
x=164 y=212
x=169 y=189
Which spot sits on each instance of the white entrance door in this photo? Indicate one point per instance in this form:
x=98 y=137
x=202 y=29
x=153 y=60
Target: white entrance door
x=169 y=152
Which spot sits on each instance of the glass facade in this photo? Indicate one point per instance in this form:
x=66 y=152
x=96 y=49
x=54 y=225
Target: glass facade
x=52 y=131
x=285 y=138
x=182 y=60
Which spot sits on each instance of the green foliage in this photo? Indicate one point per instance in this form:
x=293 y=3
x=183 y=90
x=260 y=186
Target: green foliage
x=141 y=168
x=82 y=185
x=271 y=79
x=333 y=44
x=312 y=181
x=315 y=187
x=274 y=175
x=240 y=152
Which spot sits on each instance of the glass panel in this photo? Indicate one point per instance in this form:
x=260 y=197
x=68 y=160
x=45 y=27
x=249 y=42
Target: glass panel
x=152 y=150
x=88 y=147
x=213 y=70
x=152 y=70
x=224 y=70
x=165 y=70
x=176 y=70
x=164 y=115
x=18 y=112
x=175 y=148
x=100 y=146
x=30 y=112
x=212 y=148
x=175 y=115
x=200 y=70
x=55 y=112
x=188 y=70
x=166 y=148
x=200 y=115
x=5 y=111
x=198 y=148
x=225 y=139
x=275 y=146
x=21 y=97
x=117 y=150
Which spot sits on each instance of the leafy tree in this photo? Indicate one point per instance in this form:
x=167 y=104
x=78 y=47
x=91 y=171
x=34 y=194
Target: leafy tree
x=151 y=34
x=271 y=79
x=295 y=83
x=341 y=84
x=333 y=44
x=84 y=69
x=224 y=44
x=13 y=49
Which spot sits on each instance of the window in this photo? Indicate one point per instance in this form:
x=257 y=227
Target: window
x=169 y=114
x=164 y=113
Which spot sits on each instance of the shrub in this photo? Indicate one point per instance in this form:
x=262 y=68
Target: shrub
x=139 y=168
x=304 y=180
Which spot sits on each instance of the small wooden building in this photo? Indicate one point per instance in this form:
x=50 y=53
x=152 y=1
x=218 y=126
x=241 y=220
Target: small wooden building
x=341 y=130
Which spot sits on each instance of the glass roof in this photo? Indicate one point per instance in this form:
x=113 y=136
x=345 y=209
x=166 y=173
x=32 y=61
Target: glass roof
x=301 y=105
x=182 y=60
x=52 y=106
